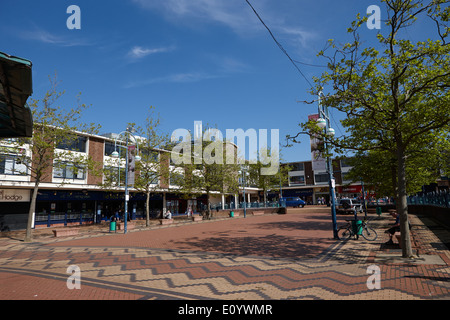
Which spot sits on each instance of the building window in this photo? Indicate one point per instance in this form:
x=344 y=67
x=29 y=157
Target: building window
x=66 y=170
x=110 y=147
x=321 y=178
x=176 y=179
x=114 y=176
x=73 y=144
x=12 y=165
x=297 y=166
x=296 y=180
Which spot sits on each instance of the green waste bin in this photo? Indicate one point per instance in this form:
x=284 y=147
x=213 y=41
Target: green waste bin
x=379 y=211
x=232 y=214
x=112 y=226
x=357 y=227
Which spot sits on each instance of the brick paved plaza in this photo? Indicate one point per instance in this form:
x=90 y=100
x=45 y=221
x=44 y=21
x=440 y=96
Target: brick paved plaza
x=270 y=257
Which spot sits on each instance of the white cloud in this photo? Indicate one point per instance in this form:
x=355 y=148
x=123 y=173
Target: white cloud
x=173 y=78
x=235 y=14
x=138 y=52
x=44 y=36
x=232 y=13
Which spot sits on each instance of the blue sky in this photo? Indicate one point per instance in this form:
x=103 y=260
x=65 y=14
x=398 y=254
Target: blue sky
x=193 y=60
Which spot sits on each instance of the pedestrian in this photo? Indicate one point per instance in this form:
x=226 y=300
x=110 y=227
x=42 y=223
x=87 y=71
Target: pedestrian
x=395 y=228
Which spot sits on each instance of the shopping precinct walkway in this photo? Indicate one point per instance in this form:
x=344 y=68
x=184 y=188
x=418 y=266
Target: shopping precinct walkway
x=270 y=257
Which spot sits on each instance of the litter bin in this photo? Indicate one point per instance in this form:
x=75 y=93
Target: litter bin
x=357 y=227
x=112 y=226
x=232 y=214
x=379 y=211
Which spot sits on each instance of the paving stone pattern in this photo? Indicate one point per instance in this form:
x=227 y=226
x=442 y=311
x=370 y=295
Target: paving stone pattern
x=268 y=257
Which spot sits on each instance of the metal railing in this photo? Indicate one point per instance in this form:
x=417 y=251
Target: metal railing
x=63 y=218
x=231 y=206
x=439 y=199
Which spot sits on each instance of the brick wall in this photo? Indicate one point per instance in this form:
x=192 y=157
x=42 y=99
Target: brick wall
x=96 y=152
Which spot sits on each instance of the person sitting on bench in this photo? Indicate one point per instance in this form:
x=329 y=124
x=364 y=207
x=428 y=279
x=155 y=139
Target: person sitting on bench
x=395 y=228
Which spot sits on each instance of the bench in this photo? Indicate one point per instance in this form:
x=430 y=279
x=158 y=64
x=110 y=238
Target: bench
x=165 y=221
x=121 y=226
x=65 y=232
x=258 y=213
x=414 y=241
x=197 y=218
x=398 y=236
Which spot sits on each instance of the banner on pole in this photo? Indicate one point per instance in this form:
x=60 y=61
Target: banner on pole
x=131 y=164
x=318 y=162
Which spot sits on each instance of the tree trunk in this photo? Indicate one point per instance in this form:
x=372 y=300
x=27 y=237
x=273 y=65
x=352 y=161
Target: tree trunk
x=402 y=205
x=31 y=214
x=147 y=209
x=208 y=209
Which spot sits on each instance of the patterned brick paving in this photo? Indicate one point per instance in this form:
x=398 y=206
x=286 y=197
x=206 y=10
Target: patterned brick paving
x=267 y=257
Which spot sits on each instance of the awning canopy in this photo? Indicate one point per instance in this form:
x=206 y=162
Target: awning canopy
x=15 y=88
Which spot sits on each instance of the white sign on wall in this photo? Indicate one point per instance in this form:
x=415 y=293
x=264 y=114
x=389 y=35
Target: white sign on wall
x=14 y=195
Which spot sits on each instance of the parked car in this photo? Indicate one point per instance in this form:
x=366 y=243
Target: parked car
x=349 y=206
x=293 y=202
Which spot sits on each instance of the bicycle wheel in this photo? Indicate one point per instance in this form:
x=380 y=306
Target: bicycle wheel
x=369 y=234
x=344 y=233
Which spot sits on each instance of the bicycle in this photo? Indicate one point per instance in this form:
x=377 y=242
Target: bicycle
x=346 y=232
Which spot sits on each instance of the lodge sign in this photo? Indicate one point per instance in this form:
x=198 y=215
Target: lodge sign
x=14 y=195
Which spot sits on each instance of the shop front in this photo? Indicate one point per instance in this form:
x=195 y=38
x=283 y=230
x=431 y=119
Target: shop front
x=14 y=208
x=352 y=191
x=306 y=194
x=81 y=207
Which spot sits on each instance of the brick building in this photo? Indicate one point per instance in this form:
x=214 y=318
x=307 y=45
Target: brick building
x=72 y=194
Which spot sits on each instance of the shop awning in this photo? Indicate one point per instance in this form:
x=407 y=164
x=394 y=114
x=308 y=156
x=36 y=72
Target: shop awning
x=15 y=89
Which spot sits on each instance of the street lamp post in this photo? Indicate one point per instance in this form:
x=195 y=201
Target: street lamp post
x=324 y=122
x=115 y=154
x=244 y=172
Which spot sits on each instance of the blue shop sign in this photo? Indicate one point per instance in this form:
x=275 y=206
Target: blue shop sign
x=49 y=195
x=298 y=192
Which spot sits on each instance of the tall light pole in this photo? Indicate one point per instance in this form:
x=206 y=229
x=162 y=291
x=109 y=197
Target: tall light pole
x=324 y=123
x=244 y=173
x=115 y=154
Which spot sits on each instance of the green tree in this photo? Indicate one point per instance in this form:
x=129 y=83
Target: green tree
x=202 y=168
x=154 y=166
x=53 y=126
x=267 y=182
x=395 y=95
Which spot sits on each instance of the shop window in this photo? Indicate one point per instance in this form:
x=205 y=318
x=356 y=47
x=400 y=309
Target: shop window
x=173 y=206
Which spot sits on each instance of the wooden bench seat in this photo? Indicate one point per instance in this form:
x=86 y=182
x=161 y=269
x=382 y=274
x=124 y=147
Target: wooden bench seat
x=258 y=213
x=65 y=232
x=121 y=226
x=165 y=221
x=398 y=236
